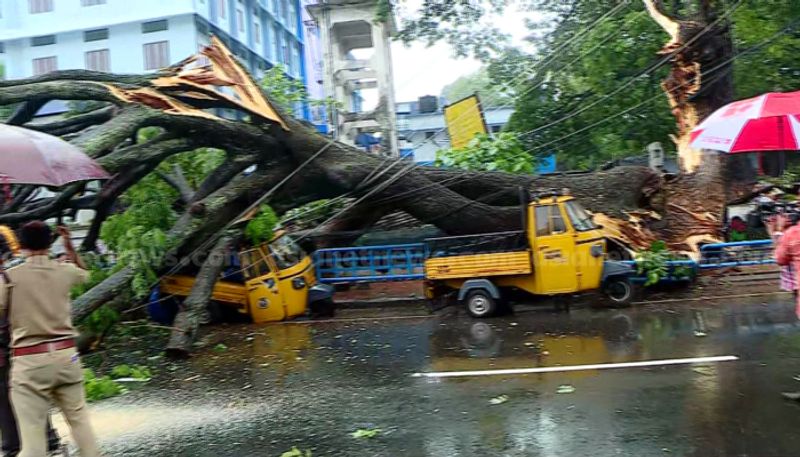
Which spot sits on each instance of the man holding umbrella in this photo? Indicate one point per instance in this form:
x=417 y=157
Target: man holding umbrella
x=35 y=299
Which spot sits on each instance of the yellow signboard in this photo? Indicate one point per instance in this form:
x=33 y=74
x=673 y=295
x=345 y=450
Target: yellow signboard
x=464 y=120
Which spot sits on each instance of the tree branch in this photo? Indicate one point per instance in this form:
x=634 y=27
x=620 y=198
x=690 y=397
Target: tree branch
x=178 y=181
x=75 y=123
x=670 y=25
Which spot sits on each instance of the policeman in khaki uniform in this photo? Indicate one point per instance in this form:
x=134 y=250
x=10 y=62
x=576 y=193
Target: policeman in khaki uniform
x=45 y=368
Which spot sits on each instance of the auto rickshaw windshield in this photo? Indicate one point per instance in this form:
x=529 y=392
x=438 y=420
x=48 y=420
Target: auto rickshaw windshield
x=286 y=252
x=581 y=219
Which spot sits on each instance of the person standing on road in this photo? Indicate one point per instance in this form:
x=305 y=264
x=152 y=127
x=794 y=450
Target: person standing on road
x=45 y=367
x=786 y=237
x=776 y=226
x=8 y=423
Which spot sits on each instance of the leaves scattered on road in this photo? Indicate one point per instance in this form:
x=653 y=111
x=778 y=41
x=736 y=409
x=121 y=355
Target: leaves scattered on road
x=294 y=452
x=366 y=433
x=499 y=400
x=565 y=389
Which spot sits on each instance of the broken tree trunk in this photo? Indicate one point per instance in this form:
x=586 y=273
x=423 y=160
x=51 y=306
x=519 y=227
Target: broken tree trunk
x=700 y=81
x=194 y=307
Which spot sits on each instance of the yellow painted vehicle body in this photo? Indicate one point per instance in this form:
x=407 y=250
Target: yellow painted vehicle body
x=562 y=252
x=279 y=283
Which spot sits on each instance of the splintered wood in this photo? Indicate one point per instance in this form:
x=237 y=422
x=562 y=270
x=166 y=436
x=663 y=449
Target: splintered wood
x=192 y=85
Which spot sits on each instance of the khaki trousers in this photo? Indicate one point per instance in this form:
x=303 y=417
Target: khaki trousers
x=39 y=380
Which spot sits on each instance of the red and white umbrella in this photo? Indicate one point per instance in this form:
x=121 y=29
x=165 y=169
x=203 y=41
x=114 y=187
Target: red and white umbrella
x=30 y=157
x=769 y=122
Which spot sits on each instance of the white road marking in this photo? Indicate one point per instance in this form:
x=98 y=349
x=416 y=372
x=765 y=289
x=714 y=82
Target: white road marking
x=557 y=369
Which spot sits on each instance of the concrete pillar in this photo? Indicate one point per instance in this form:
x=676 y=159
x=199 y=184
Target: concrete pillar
x=345 y=26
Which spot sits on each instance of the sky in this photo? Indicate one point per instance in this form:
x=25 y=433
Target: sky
x=419 y=70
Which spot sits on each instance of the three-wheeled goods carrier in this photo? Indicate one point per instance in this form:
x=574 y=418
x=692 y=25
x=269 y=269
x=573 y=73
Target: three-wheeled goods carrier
x=560 y=252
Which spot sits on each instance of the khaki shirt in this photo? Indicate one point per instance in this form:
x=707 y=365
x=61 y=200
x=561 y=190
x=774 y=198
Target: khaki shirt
x=41 y=310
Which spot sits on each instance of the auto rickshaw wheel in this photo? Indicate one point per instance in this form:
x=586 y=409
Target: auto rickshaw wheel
x=618 y=290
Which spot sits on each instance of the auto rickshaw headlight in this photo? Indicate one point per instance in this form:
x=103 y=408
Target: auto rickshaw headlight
x=298 y=283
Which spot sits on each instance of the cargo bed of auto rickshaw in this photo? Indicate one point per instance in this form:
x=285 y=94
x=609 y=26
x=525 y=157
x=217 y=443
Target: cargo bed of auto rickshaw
x=224 y=291
x=477 y=256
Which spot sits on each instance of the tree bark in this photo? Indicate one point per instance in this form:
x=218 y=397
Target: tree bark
x=191 y=311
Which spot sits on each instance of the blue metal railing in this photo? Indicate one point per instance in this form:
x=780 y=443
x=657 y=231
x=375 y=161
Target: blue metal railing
x=400 y=262
x=736 y=254
x=395 y=262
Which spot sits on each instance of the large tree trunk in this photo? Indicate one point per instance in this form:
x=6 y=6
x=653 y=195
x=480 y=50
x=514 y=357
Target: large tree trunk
x=700 y=81
x=296 y=165
x=194 y=307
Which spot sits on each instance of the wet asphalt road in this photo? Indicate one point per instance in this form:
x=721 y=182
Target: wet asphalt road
x=311 y=385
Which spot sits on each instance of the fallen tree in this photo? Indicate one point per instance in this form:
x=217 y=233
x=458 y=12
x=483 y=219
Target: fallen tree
x=295 y=165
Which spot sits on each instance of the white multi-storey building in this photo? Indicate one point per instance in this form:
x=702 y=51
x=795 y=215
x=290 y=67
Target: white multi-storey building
x=136 y=36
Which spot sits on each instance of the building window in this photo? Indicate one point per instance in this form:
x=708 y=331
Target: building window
x=2 y=48
x=98 y=60
x=222 y=11
x=155 y=26
x=92 y=2
x=44 y=40
x=429 y=135
x=296 y=59
x=240 y=20
x=40 y=6
x=292 y=16
x=44 y=65
x=287 y=56
x=156 y=55
x=276 y=35
x=257 y=30
x=95 y=35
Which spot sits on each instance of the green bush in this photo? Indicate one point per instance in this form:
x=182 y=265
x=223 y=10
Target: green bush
x=652 y=263
x=100 y=388
x=136 y=372
x=262 y=227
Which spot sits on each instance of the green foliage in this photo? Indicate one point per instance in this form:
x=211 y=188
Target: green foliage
x=504 y=152
x=100 y=388
x=138 y=234
x=653 y=264
x=262 y=227
x=288 y=92
x=787 y=180
x=312 y=214
x=294 y=452
x=570 y=73
x=101 y=320
x=490 y=94
x=566 y=85
x=139 y=372
x=97 y=274
x=463 y=25
x=366 y=433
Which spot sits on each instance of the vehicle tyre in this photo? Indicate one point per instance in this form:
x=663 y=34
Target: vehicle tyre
x=480 y=304
x=618 y=290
